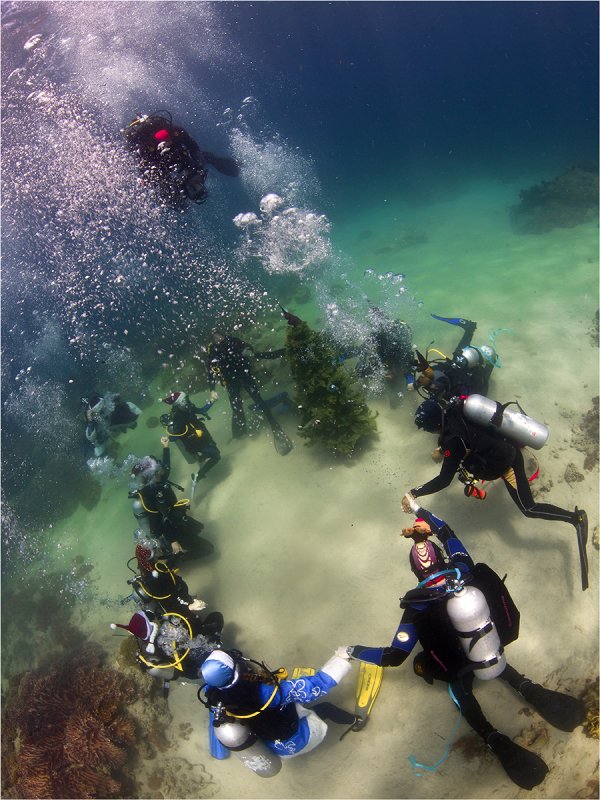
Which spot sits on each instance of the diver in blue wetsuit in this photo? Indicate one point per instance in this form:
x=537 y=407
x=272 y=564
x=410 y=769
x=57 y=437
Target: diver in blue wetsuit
x=261 y=717
x=463 y=616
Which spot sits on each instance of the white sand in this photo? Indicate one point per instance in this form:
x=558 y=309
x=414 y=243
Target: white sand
x=308 y=552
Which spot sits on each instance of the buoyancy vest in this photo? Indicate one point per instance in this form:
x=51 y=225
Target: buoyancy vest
x=489 y=454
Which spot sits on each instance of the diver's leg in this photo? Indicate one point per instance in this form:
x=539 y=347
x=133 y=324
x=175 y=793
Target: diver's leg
x=518 y=487
x=238 y=419
x=210 y=458
x=524 y=768
x=467 y=337
x=252 y=389
x=557 y=708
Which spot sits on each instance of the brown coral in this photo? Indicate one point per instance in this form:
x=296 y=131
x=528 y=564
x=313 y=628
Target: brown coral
x=590 y=700
x=66 y=732
x=568 y=200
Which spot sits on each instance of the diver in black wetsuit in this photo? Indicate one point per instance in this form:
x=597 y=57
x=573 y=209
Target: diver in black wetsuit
x=174 y=644
x=171 y=158
x=472 y=450
x=159 y=513
x=229 y=364
x=185 y=428
x=461 y=643
x=467 y=372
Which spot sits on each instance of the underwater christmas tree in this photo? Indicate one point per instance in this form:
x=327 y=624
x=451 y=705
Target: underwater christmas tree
x=333 y=411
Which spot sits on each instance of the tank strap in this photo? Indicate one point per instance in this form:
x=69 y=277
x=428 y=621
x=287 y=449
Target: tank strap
x=477 y=634
x=473 y=665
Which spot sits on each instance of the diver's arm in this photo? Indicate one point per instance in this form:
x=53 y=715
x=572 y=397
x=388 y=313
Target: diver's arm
x=455 y=549
x=166 y=456
x=400 y=648
x=270 y=354
x=453 y=455
x=224 y=164
x=310 y=687
x=203 y=411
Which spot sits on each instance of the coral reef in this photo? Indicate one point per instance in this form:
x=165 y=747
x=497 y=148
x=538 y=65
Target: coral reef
x=66 y=731
x=585 y=436
x=568 y=200
x=332 y=411
x=590 y=700
x=572 y=474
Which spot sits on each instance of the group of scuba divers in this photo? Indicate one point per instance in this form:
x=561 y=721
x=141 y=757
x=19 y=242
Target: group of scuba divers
x=460 y=612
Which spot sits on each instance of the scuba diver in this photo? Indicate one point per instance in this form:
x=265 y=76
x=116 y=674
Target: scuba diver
x=105 y=416
x=173 y=644
x=228 y=363
x=172 y=160
x=463 y=616
x=481 y=440
x=389 y=345
x=158 y=511
x=149 y=470
x=467 y=372
x=261 y=715
x=158 y=587
x=191 y=434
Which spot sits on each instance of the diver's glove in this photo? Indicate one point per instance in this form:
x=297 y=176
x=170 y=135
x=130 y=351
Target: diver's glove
x=437 y=455
x=409 y=503
x=197 y=605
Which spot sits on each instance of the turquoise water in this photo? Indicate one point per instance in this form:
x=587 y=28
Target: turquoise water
x=398 y=157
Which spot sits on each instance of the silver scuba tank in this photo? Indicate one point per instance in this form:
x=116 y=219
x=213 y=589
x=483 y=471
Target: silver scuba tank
x=513 y=424
x=250 y=750
x=471 y=356
x=470 y=615
x=164 y=674
x=141 y=515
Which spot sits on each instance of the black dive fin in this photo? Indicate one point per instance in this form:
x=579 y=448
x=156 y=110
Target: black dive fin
x=559 y=709
x=282 y=398
x=283 y=444
x=524 y=768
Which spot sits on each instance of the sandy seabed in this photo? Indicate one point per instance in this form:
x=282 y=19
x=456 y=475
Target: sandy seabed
x=307 y=550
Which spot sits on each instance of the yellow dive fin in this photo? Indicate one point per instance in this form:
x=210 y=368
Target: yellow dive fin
x=300 y=672
x=367 y=689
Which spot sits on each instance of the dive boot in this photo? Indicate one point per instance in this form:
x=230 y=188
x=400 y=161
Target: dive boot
x=523 y=767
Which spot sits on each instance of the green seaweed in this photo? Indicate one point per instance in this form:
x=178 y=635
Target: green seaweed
x=333 y=411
